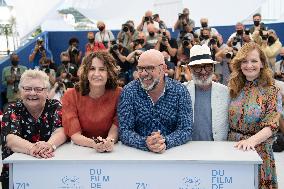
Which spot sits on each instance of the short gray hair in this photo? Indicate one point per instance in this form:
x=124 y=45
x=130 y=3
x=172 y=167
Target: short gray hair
x=35 y=74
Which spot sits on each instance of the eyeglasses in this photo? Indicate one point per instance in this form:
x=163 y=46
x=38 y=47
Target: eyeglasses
x=206 y=67
x=148 y=69
x=36 y=89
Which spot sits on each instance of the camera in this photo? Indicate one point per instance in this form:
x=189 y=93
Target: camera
x=213 y=40
x=229 y=54
x=185 y=41
x=236 y=40
x=125 y=28
x=41 y=48
x=183 y=63
x=264 y=35
x=247 y=31
x=147 y=19
x=181 y=16
x=74 y=51
x=15 y=73
x=114 y=47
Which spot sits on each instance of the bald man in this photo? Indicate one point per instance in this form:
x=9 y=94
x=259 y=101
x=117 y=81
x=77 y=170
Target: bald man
x=154 y=112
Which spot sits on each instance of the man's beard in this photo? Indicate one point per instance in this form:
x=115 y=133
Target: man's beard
x=200 y=82
x=151 y=86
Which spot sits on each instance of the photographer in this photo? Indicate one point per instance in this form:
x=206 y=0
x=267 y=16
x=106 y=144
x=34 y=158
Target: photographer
x=238 y=38
x=170 y=72
x=73 y=50
x=168 y=44
x=184 y=23
x=11 y=77
x=223 y=68
x=204 y=24
x=38 y=52
x=45 y=66
x=183 y=52
x=104 y=36
x=271 y=46
x=120 y=53
x=67 y=72
x=156 y=18
x=147 y=19
x=257 y=24
x=279 y=66
x=127 y=34
x=93 y=46
x=132 y=58
x=182 y=72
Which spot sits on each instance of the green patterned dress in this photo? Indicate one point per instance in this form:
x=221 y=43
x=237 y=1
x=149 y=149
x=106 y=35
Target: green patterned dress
x=255 y=108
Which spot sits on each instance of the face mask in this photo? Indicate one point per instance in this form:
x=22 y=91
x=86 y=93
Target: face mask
x=91 y=40
x=64 y=62
x=141 y=41
x=256 y=22
x=101 y=28
x=205 y=37
x=271 y=40
x=151 y=34
x=204 y=25
x=14 y=62
x=240 y=32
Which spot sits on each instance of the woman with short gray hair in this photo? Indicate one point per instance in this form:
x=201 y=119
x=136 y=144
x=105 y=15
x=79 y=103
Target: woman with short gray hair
x=32 y=125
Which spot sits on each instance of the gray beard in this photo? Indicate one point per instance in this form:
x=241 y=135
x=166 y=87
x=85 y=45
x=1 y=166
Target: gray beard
x=150 y=87
x=202 y=83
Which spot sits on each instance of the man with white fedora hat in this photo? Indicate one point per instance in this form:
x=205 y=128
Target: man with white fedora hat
x=210 y=100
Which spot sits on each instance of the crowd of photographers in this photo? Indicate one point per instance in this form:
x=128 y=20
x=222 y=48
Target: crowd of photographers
x=151 y=33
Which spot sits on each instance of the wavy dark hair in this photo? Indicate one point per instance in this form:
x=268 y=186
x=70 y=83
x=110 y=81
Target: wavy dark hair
x=238 y=79
x=112 y=74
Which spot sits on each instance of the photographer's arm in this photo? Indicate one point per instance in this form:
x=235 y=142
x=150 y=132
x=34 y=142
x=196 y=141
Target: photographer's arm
x=158 y=44
x=140 y=26
x=121 y=57
x=172 y=51
x=32 y=55
x=179 y=52
x=130 y=57
x=177 y=24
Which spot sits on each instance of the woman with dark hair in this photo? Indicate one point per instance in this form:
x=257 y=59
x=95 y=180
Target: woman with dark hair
x=89 y=110
x=255 y=108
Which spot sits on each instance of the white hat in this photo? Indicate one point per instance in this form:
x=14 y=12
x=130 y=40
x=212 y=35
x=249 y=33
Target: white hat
x=200 y=55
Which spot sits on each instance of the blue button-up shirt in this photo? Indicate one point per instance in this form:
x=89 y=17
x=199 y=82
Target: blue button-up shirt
x=139 y=117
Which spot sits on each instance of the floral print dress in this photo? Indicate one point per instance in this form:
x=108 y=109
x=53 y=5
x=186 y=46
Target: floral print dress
x=18 y=121
x=255 y=108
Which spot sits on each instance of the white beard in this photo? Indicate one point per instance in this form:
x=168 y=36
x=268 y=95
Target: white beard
x=200 y=82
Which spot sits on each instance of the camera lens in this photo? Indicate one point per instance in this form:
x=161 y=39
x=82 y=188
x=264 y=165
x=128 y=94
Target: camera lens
x=147 y=19
x=185 y=43
x=125 y=29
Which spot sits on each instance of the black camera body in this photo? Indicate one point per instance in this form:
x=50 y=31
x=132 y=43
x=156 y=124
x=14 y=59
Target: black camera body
x=74 y=51
x=125 y=28
x=236 y=40
x=15 y=73
x=229 y=54
x=186 y=41
x=247 y=31
x=147 y=19
x=181 y=16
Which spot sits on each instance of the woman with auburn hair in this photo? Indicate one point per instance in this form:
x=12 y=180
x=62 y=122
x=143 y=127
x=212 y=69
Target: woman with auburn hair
x=255 y=108
x=89 y=110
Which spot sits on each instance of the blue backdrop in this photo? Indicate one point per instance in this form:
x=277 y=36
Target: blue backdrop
x=57 y=42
